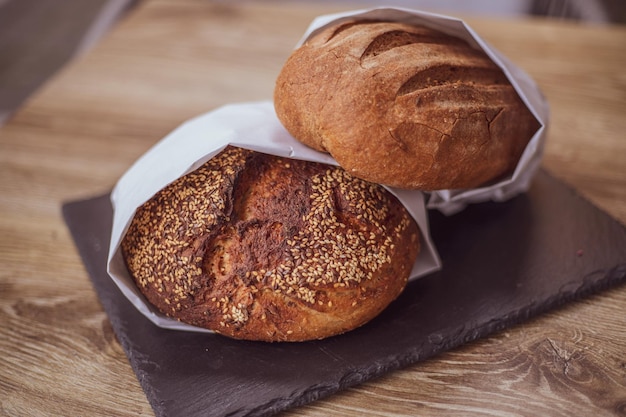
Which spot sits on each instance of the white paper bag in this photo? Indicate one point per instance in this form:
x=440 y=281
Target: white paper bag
x=453 y=201
x=247 y=125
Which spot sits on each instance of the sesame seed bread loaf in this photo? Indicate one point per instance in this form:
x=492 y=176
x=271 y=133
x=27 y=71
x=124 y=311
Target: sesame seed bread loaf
x=403 y=105
x=265 y=248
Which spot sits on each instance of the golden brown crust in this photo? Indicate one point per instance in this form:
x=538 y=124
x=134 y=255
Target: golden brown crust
x=404 y=106
x=259 y=247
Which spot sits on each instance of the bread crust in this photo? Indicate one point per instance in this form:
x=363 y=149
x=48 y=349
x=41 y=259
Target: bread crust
x=259 y=247
x=404 y=106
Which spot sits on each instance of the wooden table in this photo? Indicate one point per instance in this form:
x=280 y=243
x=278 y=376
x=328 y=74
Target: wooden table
x=171 y=60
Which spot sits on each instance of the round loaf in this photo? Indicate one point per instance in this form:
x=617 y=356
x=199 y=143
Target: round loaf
x=259 y=247
x=404 y=106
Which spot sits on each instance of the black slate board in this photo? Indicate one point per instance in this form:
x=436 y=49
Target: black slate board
x=503 y=263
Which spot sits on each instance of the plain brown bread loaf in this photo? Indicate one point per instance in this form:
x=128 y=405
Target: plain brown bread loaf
x=404 y=106
x=265 y=248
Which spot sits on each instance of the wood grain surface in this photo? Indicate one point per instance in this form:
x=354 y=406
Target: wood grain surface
x=171 y=60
